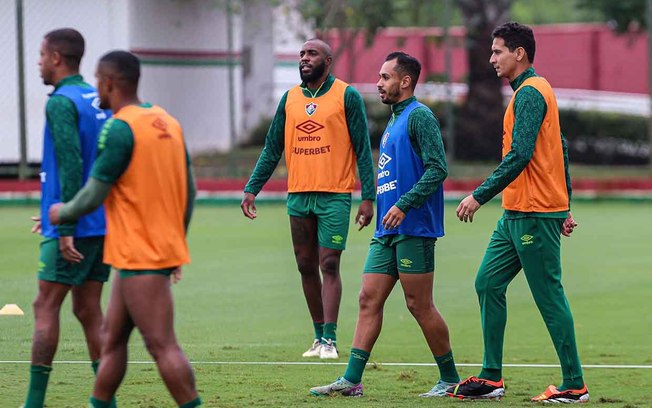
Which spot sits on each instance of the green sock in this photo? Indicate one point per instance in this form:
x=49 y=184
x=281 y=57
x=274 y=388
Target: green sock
x=95 y=403
x=357 y=362
x=491 y=374
x=329 y=331
x=38 y=384
x=192 y=404
x=319 y=329
x=447 y=369
x=572 y=384
x=95 y=365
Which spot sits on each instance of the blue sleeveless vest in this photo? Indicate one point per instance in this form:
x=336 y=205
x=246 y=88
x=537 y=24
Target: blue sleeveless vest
x=399 y=169
x=90 y=121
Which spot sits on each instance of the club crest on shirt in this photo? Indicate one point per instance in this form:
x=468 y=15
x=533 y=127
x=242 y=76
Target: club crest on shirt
x=311 y=108
x=384 y=139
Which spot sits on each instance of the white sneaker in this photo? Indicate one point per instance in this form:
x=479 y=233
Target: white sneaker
x=328 y=350
x=340 y=386
x=314 y=350
x=439 y=390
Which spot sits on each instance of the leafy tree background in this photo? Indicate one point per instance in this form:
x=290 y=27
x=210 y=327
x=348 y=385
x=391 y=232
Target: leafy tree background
x=479 y=122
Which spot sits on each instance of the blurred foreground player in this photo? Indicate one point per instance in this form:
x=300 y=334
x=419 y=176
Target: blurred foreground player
x=144 y=176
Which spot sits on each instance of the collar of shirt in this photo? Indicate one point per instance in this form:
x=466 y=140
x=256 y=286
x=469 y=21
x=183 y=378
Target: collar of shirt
x=528 y=73
x=399 y=107
x=69 y=80
x=323 y=88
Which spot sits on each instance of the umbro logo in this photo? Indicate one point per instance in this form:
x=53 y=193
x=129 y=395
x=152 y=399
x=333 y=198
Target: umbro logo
x=383 y=160
x=309 y=126
x=406 y=263
x=527 y=239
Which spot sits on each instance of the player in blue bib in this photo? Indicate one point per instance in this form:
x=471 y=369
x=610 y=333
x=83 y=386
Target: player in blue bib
x=411 y=171
x=70 y=254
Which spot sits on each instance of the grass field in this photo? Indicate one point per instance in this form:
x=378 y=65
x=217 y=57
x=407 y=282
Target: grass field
x=241 y=301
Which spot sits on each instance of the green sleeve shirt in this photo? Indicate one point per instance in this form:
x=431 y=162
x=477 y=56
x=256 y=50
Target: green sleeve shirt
x=62 y=119
x=529 y=111
x=114 y=148
x=272 y=151
x=427 y=143
x=356 y=120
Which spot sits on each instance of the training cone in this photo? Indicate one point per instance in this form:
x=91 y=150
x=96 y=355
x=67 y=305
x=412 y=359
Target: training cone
x=11 y=309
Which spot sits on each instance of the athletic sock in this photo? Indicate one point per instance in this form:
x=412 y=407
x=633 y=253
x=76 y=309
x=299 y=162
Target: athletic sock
x=95 y=403
x=447 y=369
x=95 y=364
x=329 y=332
x=491 y=374
x=192 y=404
x=357 y=363
x=572 y=384
x=319 y=329
x=38 y=384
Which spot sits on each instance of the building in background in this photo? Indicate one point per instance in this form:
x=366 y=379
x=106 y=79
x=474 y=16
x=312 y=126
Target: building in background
x=186 y=58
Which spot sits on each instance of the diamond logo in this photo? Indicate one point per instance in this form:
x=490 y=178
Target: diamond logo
x=406 y=263
x=383 y=160
x=527 y=239
x=309 y=126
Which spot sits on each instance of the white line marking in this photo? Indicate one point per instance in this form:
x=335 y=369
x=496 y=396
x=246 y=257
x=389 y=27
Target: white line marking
x=299 y=363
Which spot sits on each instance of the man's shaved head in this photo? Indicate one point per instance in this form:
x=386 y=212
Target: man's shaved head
x=320 y=45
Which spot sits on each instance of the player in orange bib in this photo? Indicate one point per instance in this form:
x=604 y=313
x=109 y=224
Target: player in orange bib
x=534 y=179
x=321 y=125
x=143 y=175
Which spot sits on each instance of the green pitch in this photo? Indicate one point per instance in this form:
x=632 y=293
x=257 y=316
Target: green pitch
x=241 y=301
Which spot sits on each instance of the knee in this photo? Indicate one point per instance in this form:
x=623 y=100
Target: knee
x=82 y=312
x=419 y=308
x=481 y=286
x=158 y=346
x=307 y=265
x=43 y=305
x=330 y=264
x=367 y=303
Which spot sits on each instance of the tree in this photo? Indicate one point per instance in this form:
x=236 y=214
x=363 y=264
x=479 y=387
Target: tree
x=630 y=16
x=348 y=18
x=622 y=15
x=351 y=18
x=479 y=124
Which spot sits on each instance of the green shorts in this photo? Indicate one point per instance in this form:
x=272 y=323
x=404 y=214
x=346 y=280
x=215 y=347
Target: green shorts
x=128 y=273
x=53 y=268
x=392 y=254
x=332 y=211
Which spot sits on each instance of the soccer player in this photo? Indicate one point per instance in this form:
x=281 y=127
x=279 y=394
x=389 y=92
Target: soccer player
x=143 y=175
x=71 y=253
x=535 y=181
x=411 y=170
x=322 y=126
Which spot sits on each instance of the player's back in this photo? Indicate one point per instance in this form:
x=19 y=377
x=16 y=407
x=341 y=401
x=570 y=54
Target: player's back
x=147 y=204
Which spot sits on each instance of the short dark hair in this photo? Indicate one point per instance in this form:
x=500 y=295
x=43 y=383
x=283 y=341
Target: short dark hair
x=69 y=43
x=125 y=64
x=406 y=65
x=517 y=35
